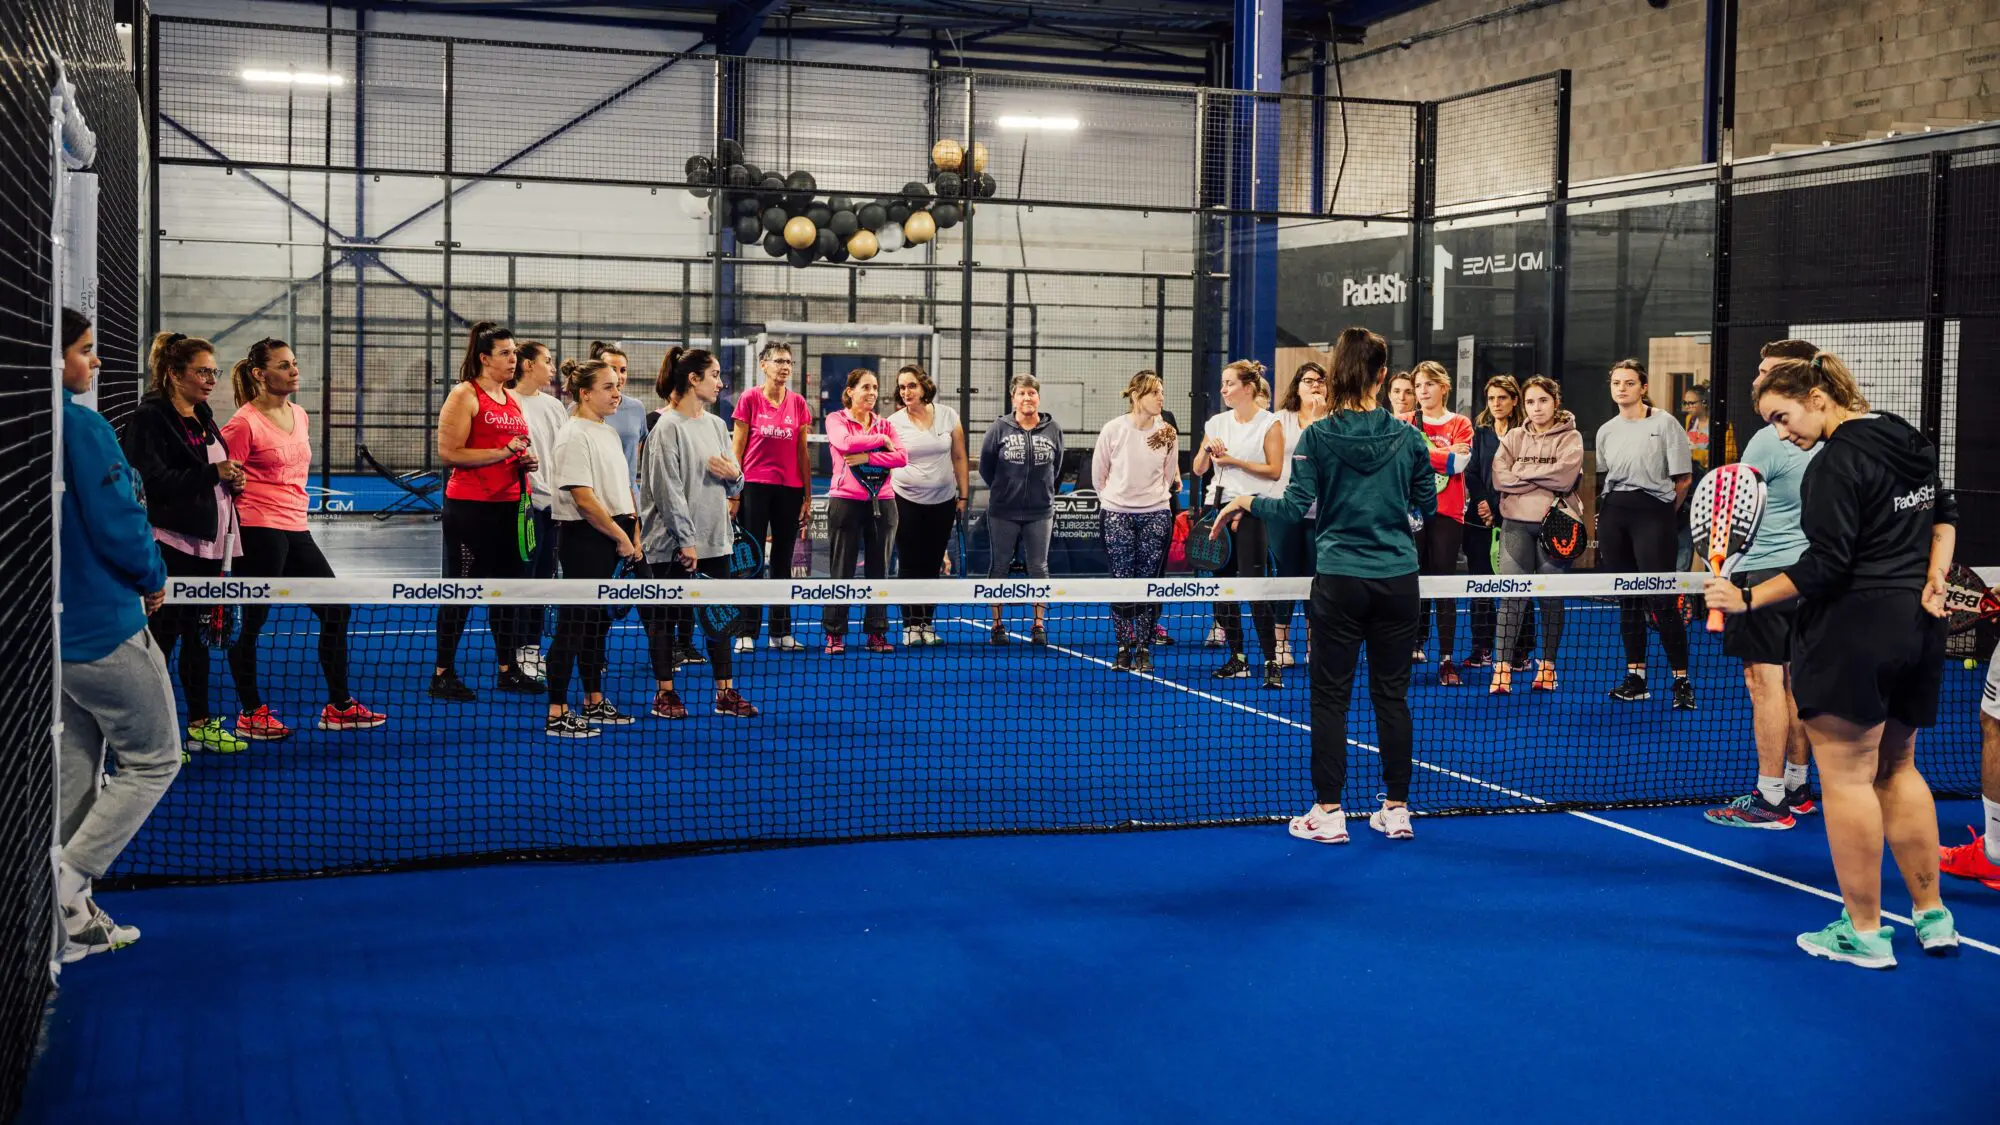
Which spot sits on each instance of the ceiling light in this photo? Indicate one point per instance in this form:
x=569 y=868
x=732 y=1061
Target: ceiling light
x=1046 y=124
x=293 y=78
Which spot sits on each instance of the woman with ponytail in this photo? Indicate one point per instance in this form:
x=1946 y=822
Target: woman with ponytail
x=483 y=438
x=1246 y=447
x=270 y=436
x=190 y=485
x=1450 y=437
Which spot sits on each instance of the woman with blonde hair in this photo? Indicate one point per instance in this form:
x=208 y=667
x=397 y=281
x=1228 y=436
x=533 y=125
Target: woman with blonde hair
x=1450 y=437
x=1245 y=447
x=930 y=489
x=1536 y=469
x=1136 y=470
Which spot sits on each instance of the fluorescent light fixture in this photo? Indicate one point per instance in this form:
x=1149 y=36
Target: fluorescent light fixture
x=1046 y=124
x=292 y=78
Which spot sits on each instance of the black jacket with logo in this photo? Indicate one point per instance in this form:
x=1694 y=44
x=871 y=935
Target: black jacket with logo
x=1869 y=502
x=178 y=480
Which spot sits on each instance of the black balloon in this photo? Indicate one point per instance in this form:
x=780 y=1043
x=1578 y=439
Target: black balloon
x=730 y=151
x=746 y=205
x=749 y=230
x=872 y=216
x=838 y=254
x=819 y=213
x=698 y=168
x=949 y=183
x=800 y=181
x=841 y=203
x=802 y=258
x=774 y=245
x=739 y=176
x=987 y=184
x=898 y=211
x=701 y=192
x=946 y=215
x=771 y=190
x=826 y=242
x=797 y=201
x=774 y=219
x=915 y=190
x=756 y=173
x=843 y=224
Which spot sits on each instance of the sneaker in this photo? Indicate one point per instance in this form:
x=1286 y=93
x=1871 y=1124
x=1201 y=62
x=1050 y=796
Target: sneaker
x=1393 y=822
x=743 y=644
x=1545 y=677
x=1235 y=669
x=688 y=654
x=1215 y=639
x=261 y=726
x=1284 y=653
x=1038 y=634
x=1161 y=636
x=667 y=705
x=569 y=724
x=1801 y=801
x=930 y=635
x=446 y=685
x=209 y=735
x=603 y=714
x=1751 y=810
x=516 y=682
x=727 y=702
x=1123 y=661
x=1142 y=660
x=86 y=932
x=1417 y=657
x=998 y=636
x=1273 y=676
x=1633 y=690
x=1502 y=682
x=878 y=643
x=1683 y=694
x=1448 y=674
x=787 y=643
x=1480 y=657
x=1936 y=933
x=1969 y=861
x=1840 y=941
x=1320 y=827
x=528 y=658
x=350 y=715
x=123 y=935
x=835 y=646
x=912 y=637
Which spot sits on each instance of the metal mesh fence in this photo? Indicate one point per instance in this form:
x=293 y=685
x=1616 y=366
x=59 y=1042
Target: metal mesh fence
x=1499 y=142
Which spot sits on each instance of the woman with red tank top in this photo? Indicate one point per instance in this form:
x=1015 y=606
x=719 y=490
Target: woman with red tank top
x=483 y=438
x=1449 y=436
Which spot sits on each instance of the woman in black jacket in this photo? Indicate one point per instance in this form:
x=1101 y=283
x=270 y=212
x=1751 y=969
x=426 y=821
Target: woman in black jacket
x=189 y=484
x=1482 y=504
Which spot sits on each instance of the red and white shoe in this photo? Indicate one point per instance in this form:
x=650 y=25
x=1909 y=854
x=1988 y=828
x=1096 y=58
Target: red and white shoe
x=351 y=716
x=1392 y=821
x=261 y=726
x=1320 y=827
x=1969 y=861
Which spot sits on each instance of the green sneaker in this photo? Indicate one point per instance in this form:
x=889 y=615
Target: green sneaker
x=1840 y=941
x=1936 y=933
x=210 y=735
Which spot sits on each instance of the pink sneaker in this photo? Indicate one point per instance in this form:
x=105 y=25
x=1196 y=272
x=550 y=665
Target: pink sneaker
x=261 y=726
x=835 y=646
x=351 y=717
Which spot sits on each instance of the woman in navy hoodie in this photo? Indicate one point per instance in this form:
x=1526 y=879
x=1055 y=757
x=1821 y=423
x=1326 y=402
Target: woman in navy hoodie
x=115 y=693
x=1021 y=463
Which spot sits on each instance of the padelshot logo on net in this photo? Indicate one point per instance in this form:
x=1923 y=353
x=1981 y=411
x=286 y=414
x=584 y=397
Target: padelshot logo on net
x=832 y=592
x=1183 y=589
x=1499 y=585
x=1654 y=584
x=217 y=589
x=435 y=591
x=1011 y=589
x=641 y=592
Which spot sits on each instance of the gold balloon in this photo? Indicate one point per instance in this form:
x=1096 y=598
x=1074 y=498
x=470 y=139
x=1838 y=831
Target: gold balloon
x=919 y=227
x=978 y=156
x=800 y=233
x=947 y=154
x=863 y=245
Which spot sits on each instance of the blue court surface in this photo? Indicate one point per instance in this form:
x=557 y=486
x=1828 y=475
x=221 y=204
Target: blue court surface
x=1631 y=966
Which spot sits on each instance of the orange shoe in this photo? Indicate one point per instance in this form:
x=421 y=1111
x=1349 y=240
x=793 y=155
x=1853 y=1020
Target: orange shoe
x=1969 y=861
x=261 y=726
x=1545 y=677
x=1502 y=682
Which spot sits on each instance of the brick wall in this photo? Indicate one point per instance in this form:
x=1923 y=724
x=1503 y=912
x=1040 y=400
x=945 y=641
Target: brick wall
x=1808 y=70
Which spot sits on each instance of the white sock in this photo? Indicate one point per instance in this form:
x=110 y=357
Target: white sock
x=1795 y=775
x=72 y=886
x=1992 y=829
x=1772 y=789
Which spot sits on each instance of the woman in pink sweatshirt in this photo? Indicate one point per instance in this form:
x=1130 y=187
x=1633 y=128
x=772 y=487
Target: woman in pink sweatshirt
x=1535 y=469
x=1136 y=471
x=861 y=514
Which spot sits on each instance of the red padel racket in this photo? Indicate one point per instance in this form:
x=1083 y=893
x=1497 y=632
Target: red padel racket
x=1724 y=513
x=1968 y=602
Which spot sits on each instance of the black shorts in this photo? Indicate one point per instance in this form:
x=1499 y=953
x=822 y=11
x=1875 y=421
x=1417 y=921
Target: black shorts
x=1764 y=636
x=1869 y=656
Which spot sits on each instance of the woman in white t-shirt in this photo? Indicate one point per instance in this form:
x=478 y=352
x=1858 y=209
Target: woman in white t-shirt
x=593 y=508
x=930 y=490
x=1246 y=448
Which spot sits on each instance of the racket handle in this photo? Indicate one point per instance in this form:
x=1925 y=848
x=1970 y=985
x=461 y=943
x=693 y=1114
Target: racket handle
x=1715 y=621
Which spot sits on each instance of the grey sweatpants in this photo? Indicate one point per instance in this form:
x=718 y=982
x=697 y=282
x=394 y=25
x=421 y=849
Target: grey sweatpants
x=124 y=704
x=1521 y=553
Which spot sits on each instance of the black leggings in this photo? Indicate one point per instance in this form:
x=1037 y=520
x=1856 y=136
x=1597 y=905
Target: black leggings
x=580 y=629
x=771 y=511
x=923 y=532
x=183 y=624
x=668 y=626
x=481 y=541
x=1635 y=534
x=1348 y=614
x=1250 y=559
x=1437 y=554
x=271 y=553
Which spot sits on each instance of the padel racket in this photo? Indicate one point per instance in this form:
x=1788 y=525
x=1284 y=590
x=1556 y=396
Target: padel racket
x=1968 y=602
x=221 y=625
x=524 y=516
x=1723 y=517
x=1205 y=554
x=872 y=478
x=626 y=568
x=721 y=622
x=746 y=555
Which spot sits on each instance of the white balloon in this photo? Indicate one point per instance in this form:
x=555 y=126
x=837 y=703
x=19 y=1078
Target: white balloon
x=891 y=236
x=694 y=206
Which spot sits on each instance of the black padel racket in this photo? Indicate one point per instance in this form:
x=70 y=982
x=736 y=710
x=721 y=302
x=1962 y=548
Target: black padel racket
x=721 y=622
x=221 y=625
x=1209 y=547
x=746 y=555
x=872 y=478
x=1723 y=516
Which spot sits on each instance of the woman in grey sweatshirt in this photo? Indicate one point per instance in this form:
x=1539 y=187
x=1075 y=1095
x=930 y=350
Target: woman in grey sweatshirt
x=1536 y=468
x=1021 y=463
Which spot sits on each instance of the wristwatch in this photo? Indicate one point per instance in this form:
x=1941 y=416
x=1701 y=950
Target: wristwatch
x=1743 y=584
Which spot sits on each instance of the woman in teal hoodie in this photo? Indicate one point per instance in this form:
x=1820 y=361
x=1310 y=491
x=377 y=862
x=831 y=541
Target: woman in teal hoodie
x=1367 y=471
x=115 y=692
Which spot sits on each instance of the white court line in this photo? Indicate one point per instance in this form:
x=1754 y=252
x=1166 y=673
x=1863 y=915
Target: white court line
x=1591 y=818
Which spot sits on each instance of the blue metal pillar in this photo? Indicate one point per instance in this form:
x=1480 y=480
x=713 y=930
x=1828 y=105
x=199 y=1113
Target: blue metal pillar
x=1257 y=66
x=1318 y=143
x=360 y=233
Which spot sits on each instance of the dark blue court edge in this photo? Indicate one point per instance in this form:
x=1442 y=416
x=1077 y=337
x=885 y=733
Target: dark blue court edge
x=33 y=31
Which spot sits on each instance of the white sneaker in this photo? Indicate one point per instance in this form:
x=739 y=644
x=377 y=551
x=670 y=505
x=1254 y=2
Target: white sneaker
x=930 y=636
x=1320 y=827
x=528 y=658
x=787 y=643
x=912 y=637
x=744 y=644
x=1215 y=638
x=1392 y=822
x=1284 y=652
